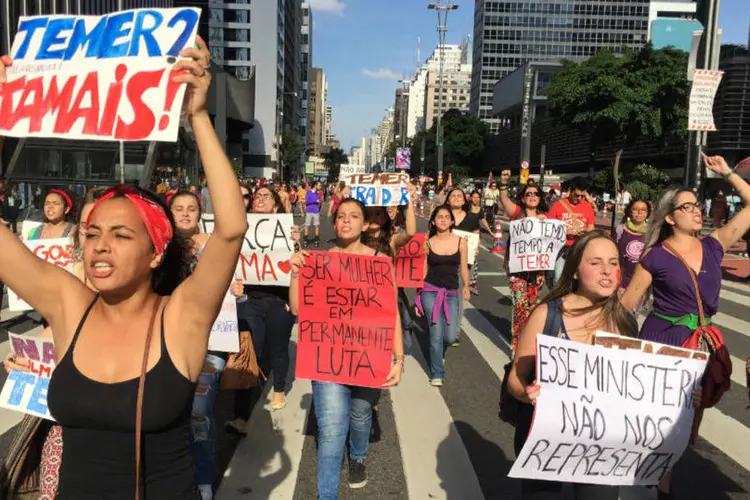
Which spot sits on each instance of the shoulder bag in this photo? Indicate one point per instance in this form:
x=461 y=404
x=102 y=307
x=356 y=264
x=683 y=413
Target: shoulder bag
x=242 y=370
x=708 y=338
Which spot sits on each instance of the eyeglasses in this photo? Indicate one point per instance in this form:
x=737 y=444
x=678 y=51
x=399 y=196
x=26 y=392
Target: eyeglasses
x=689 y=207
x=530 y=194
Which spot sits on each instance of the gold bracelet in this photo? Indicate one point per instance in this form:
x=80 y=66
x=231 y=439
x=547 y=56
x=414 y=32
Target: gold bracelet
x=399 y=358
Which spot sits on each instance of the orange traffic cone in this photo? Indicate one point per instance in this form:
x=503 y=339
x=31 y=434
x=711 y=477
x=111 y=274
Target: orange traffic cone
x=498 y=247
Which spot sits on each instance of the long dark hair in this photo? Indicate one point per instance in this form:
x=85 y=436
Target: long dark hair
x=185 y=192
x=466 y=207
x=376 y=243
x=382 y=242
x=612 y=313
x=175 y=265
x=280 y=209
x=629 y=209
x=658 y=229
x=541 y=208
x=431 y=226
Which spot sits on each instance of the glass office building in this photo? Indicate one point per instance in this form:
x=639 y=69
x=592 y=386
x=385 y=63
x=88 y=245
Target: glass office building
x=510 y=33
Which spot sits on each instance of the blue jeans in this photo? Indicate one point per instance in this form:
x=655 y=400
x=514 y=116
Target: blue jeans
x=340 y=410
x=203 y=444
x=442 y=334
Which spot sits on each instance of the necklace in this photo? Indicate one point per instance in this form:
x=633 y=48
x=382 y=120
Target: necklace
x=635 y=229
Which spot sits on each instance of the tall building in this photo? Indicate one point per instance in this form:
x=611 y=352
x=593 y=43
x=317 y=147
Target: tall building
x=508 y=34
x=318 y=107
x=229 y=38
x=306 y=60
x=328 y=120
x=400 y=115
x=355 y=156
x=455 y=89
x=452 y=60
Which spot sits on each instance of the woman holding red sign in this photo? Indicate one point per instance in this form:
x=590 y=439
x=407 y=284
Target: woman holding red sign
x=344 y=409
x=124 y=383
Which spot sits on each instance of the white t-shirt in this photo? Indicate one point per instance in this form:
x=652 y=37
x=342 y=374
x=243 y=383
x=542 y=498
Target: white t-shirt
x=626 y=198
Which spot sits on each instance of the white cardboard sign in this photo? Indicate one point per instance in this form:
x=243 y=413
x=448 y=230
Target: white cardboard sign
x=348 y=169
x=702 y=94
x=607 y=416
x=266 y=251
x=26 y=392
x=379 y=190
x=225 y=333
x=472 y=239
x=534 y=244
x=97 y=77
x=57 y=251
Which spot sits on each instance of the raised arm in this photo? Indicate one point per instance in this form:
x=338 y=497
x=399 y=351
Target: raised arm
x=402 y=239
x=740 y=223
x=508 y=205
x=198 y=299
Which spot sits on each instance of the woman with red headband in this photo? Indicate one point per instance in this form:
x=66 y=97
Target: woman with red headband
x=130 y=355
x=57 y=206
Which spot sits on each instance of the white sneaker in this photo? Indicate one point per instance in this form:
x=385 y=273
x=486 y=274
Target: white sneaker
x=207 y=493
x=436 y=382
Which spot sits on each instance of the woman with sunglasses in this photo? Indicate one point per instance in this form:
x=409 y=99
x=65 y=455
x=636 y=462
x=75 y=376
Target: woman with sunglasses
x=525 y=286
x=672 y=232
x=133 y=259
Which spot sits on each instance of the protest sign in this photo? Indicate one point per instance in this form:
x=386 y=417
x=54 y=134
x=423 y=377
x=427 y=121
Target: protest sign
x=26 y=392
x=473 y=242
x=410 y=263
x=403 y=158
x=347 y=319
x=97 y=77
x=57 y=251
x=266 y=251
x=348 y=169
x=607 y=416
x=702 y=93
x=27 y=227
x=534 y=244
x=379 y=190
x=225 y=333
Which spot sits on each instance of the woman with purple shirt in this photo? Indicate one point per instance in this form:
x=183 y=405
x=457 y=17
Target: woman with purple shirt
x=676 y=221
x=629 y=239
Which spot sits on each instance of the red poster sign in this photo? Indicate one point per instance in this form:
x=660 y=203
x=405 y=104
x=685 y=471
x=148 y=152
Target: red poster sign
x=347 y=319
x=410 y=263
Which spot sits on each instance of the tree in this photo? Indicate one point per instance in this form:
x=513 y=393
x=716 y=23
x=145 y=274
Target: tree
x=333 y=160
x=619 y=99
x=291 y=148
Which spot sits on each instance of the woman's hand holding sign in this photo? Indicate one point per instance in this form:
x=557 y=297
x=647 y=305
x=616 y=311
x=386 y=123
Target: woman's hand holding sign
x=194 y=71
x=532 y=391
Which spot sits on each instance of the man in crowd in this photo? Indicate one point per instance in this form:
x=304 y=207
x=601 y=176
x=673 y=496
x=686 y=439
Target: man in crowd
x=313 y=200
x=579 y=218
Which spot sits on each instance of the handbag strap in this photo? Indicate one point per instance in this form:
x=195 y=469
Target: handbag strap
x=139 y=403
x=693 y=278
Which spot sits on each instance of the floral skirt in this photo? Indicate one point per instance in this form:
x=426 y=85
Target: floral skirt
x=524 y=291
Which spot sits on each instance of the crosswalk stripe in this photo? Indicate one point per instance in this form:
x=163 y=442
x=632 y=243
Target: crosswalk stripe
x=282 y=432
x=735 y=286
x=423 y=428
x=501 y=273
x=737 y=298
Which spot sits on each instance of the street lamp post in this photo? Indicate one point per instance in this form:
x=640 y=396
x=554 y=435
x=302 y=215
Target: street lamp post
x=442 y=7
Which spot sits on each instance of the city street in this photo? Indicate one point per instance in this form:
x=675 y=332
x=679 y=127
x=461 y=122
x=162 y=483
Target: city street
x=448 y=442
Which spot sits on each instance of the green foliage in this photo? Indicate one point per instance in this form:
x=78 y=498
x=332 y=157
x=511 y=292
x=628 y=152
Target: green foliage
x=291 y=148
x=640 y=190
x=463 y=145
x=333 y=160
x=642 y=181
x=237 y=167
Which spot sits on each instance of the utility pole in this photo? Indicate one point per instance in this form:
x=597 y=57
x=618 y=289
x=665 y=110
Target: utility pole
x=442 y=7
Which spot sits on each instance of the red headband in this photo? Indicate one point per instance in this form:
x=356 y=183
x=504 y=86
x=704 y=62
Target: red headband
x=64 y=195
x=152 y=214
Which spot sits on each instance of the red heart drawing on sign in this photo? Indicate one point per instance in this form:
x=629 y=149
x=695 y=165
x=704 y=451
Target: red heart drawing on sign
x=284 y=266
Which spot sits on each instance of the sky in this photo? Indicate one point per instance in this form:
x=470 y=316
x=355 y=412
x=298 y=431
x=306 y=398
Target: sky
x=366 y=46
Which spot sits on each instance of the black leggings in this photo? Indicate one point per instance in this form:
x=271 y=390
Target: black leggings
x=270 y=324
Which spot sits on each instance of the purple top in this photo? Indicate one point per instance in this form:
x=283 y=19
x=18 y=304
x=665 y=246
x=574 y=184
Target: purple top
x=631 y=247
x=674 y=293
x=311 y=201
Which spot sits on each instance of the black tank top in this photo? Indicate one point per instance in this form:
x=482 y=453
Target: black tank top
x=98 y=422
x=442 y=270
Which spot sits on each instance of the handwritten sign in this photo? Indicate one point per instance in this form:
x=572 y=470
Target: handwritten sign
x=28 y=227
x=26 y=392
x=57 y=251
x=410 y=263
x=347 y=319
x=702 y=93
x=379 y=190
x=534 y=244
x=266 y=251
x=348 y=169
x=472 y=239
x=225 y=333
x=607 y=416
x=97 y=77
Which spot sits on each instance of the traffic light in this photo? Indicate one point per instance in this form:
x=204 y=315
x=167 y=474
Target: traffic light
x=440 y=144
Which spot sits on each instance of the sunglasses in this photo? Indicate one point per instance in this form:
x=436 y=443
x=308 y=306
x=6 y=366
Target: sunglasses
x=530 y=194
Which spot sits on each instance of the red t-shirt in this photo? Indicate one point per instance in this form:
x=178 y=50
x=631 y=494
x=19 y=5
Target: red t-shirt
x=583 y=216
